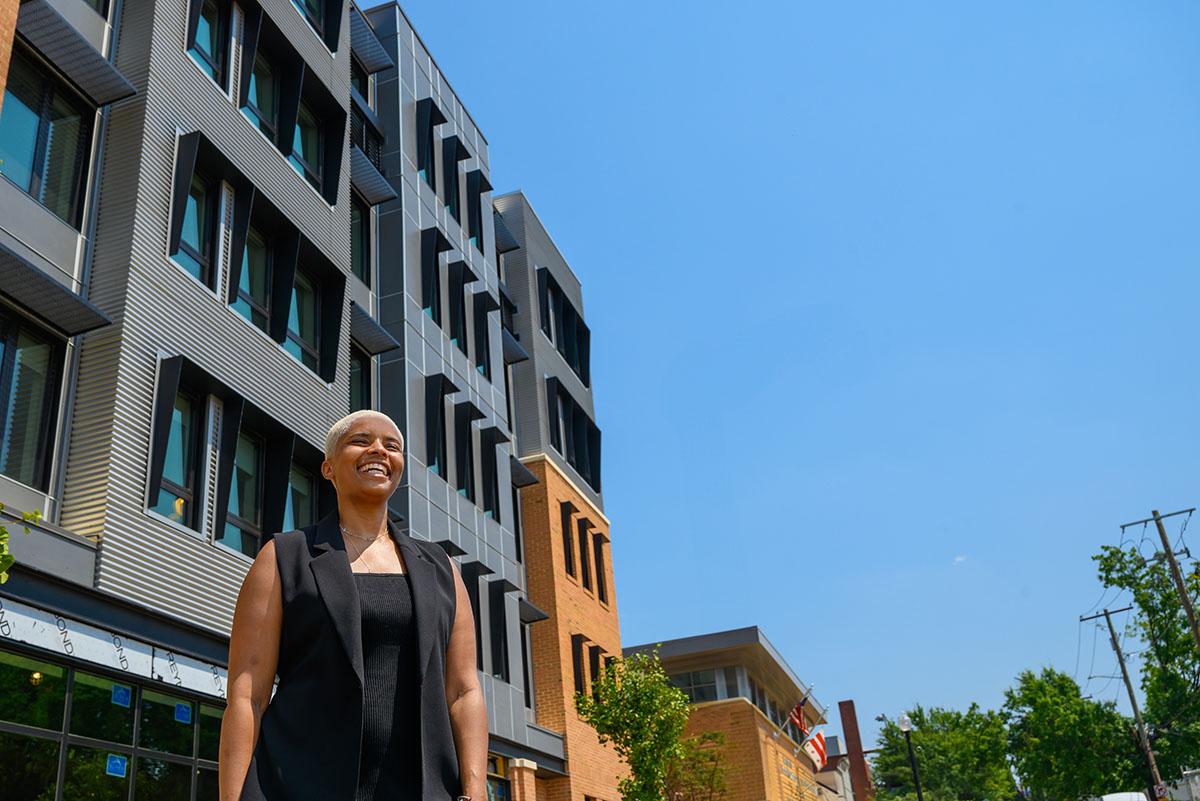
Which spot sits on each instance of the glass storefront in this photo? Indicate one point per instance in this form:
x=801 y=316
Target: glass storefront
x=103 y=736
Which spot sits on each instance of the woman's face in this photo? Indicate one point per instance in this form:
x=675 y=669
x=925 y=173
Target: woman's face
x=368 y=460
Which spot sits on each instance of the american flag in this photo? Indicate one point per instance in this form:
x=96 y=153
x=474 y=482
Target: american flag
x=815 y=748
x=797 y=716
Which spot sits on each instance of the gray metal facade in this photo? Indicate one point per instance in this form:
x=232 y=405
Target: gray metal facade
x=99 y=530
x=536 y=251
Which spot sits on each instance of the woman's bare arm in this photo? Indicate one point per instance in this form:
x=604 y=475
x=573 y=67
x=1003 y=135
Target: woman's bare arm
x=253 y=658
x=468 y=713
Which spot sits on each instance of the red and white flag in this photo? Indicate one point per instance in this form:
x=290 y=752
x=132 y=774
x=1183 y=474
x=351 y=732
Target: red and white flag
x=815 y=748
x=797 y=716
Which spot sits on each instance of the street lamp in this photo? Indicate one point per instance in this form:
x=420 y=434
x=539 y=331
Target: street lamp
x=905 y=723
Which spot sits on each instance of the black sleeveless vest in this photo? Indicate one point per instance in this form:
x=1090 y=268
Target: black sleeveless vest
x=311 y=732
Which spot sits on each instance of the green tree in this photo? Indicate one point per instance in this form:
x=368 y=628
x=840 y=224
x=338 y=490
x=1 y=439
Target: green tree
x=1066 y=747
x=961 y=757
x=7 y=560
x=634 y=707
x=1170 y=668
x=698 y=772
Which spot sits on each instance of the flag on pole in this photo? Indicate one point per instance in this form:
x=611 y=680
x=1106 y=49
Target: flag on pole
x=797 y=716
x=815 y=748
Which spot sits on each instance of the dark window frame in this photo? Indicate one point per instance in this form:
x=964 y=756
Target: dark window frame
x=585 y=562
x=270 y=125
x=313 y=349
x=254 y=529
x=314 y=175
x=210 y=232
x=365 y=376
x=51 y=85
x=567 y=511
x=366 y=234
x=246 y=297
x=601 y=572
x=11 y=326
x=317 y=24
x=191 y=495
x=220 y=71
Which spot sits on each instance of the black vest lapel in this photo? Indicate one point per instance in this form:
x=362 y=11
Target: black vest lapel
x=422 y=578
x=335 y=581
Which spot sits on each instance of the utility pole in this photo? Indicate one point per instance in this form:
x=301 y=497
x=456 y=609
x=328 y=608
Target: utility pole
x=1184 y=597
x=1160 y=789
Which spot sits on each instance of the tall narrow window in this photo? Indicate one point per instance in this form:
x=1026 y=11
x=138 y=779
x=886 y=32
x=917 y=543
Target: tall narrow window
x=360 y=80
x=594 y=665
x=516 y=526
x=197 y=243
x=435 y=426
x=577 y=662
x=177 y=495
x=601 y=572
x=254 y=284
x=433 y=243
x=300 y=508
x=498 y=614
x=464 y=450
x=429 y=116
x=308 y=154
x=243 y=521
x=45 y=137
x=565 y=509
x=585 y=563
x=360 y=379
x=482 y=304
x=303 y=325
x=30 y=366
x=211 y=50
x=360 y=240
x=262 y=97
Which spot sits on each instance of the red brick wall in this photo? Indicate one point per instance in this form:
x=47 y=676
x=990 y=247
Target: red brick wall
x=594 y=769
x=757 y=764
x=8 y=27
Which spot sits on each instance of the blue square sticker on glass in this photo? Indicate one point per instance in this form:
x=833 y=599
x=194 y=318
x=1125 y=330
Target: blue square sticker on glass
x=116 y=765
x=122 y=695
x=183 y=713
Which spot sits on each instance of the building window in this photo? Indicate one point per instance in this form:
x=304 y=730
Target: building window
x=498 y=787
x=435 y=426
x=601 y=572
x=300 y=507
x=360 y=240
x=459 y=278
x=254 y=284
x=45 y=137
x=314 y=12
x=526 y=673
x=594 y=665
x=491 y=478
x=731 y=683
x=107 y=711
x=577 y=662
x=30 y=368
x=498 y=614
x=360 y=80
x=483 y=361
x=433 y=243
x=572 y=433
x=698 y=685
x=308 y=153
x=464 y=451
x=429 y=116
x=243 y=521
x=178 y=494
x=197 y=241
x=585 y=564
x=564 y=326
x=211 y=48
x=303 y=326
x=477 y=184
x=516 y=524
x=568 y=541
x=262 y=97
x=360 y=380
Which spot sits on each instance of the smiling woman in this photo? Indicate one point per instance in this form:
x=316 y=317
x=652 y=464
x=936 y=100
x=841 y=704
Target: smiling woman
x=354 y=616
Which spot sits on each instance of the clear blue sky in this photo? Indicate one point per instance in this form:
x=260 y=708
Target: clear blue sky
x=893 y=309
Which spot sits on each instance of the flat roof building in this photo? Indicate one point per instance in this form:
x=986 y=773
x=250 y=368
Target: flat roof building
x=739 y=684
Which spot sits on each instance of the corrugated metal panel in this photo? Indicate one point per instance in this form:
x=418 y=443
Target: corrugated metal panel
x=55 y=304
x=369 y=182
x=71 y=52
x=369 y=334
x=366 y=47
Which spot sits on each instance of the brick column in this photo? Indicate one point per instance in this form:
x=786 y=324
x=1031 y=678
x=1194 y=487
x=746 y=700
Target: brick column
x=522 y=780
x=8 y=27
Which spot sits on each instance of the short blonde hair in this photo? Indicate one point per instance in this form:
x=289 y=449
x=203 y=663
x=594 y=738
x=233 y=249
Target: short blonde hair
x=339 y=429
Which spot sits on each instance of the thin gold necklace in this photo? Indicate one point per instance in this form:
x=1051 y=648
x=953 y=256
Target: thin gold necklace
x=361 y=553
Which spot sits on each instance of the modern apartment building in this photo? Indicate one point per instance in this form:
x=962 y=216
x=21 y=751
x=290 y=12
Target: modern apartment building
x=565 y=533
x=740 y=685
x=223 y=225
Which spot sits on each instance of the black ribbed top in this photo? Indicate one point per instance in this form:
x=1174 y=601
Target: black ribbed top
x=390 y=766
